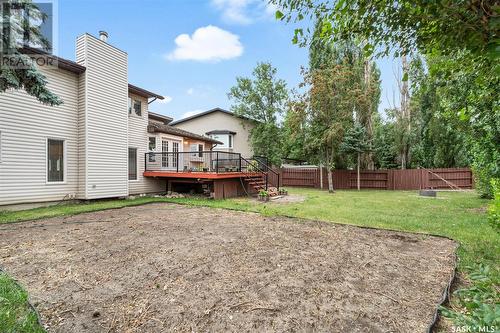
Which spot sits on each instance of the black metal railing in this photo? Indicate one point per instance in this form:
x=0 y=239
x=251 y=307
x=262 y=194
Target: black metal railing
x=272 y=177
x=193 y=161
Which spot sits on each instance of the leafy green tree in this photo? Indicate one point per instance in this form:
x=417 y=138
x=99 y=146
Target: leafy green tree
x=328 y=109
x=294 y=136
x=465 y=115
x=17 y=70
x=356 y=142
x=324 y=54
x=440 y=141
x=262 y=98
x=401 y=25
x=385 y=156
x=460 y=41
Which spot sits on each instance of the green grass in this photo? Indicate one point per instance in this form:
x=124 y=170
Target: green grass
x=15 y=315
x=72 y=209
x=457 y=215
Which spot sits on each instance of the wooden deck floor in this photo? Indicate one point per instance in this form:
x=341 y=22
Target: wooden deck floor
x=198 y=175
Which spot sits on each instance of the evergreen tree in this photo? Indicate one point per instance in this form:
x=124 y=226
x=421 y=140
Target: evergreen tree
x=17 y=70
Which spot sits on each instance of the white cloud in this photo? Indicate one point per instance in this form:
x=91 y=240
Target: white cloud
x=190 y=91
x=244 y=11
x=191 y=113
x=234 y=10
x=208 y=43
x=165 y=100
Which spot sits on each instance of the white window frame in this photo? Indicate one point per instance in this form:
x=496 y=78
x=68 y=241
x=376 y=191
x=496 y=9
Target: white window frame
x=230 y=140
x=197 y=152
x=131 y=110
x=156 y=143
x=65 y=162
x=136 y=164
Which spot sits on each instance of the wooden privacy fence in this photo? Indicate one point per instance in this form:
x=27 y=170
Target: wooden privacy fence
x=408 y=179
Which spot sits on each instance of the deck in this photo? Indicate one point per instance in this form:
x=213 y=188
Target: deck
x=199 y=175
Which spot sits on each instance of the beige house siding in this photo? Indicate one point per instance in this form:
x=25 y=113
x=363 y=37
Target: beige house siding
x=222 y=121
x=138 y=138
x=25 y=125
x=106 y=123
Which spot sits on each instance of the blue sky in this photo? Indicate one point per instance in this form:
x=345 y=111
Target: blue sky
x=219 y=40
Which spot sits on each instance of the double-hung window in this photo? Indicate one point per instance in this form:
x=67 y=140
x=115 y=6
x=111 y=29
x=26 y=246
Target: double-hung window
x=55 y=160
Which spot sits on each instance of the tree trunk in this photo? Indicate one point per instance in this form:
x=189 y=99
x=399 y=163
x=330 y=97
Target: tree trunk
x=405 y=115
x=367 y=159
x=330 y=180
x=359 y=180
x=330 y=176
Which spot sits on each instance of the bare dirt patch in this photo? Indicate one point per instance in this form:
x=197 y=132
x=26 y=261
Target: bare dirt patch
x=165 y=267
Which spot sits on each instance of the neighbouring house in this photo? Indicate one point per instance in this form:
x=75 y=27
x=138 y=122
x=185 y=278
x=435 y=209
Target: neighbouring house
x=103 y=142
x=222 y=125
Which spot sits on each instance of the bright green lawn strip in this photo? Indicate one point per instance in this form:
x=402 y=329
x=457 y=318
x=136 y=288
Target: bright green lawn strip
x=15 y=314
x=72 y=209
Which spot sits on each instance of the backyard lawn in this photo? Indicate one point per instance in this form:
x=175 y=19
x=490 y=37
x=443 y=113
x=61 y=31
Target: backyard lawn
x=457 y=215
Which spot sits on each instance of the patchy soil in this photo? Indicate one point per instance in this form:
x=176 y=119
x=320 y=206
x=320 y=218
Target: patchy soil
x=291 y=198
x=165 y=267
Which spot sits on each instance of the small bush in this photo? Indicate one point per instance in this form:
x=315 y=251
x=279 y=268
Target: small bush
x=494 y=209
x=478 y=306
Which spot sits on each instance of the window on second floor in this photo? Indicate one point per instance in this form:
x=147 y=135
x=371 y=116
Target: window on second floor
x=134 y=107
x=152 y=143
x=226 y=139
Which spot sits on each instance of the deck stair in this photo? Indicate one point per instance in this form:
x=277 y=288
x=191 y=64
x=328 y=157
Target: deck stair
x=258 y=182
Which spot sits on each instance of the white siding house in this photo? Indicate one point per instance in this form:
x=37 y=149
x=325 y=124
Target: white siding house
x=138 y=140
x=105 y=105
x=79 y=149
x=25 y=127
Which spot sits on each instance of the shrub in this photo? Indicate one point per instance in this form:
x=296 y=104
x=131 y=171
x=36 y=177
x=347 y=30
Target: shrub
x=478 y=308
x=263 y=193
x=494 y=209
